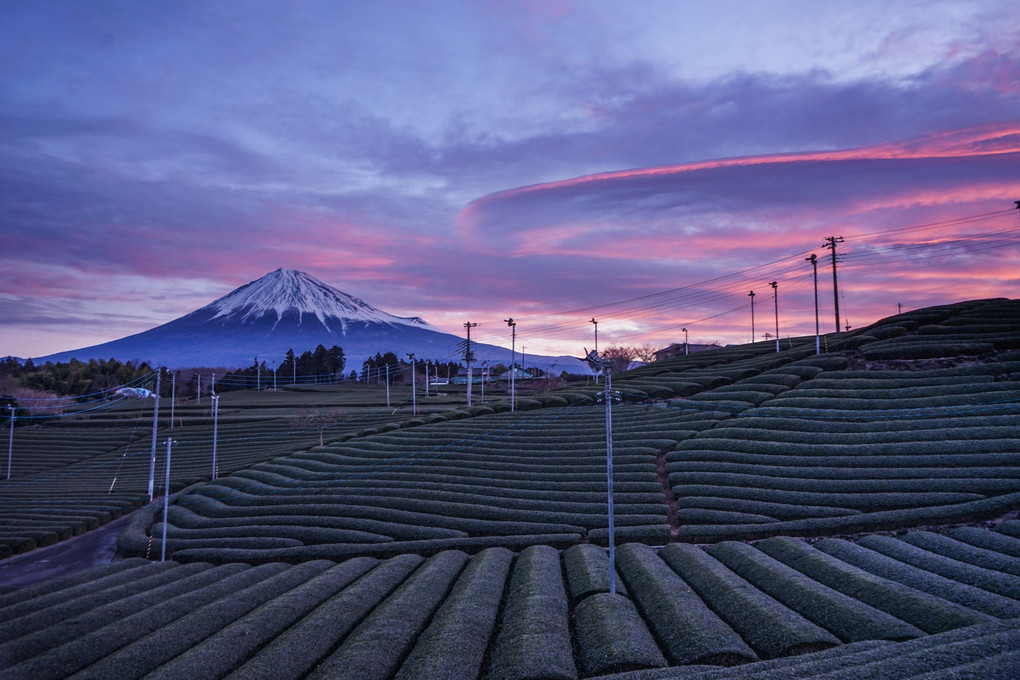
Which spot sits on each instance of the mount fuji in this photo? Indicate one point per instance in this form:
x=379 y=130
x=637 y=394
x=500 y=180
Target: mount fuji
x=288 y=309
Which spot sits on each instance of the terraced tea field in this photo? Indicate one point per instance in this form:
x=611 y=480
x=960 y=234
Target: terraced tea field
x=777 y=515
x=873 y=608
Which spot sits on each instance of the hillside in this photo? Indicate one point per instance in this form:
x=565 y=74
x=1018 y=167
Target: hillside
x=777 y=514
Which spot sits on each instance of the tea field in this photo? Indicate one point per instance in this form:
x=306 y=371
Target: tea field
x=849 y=514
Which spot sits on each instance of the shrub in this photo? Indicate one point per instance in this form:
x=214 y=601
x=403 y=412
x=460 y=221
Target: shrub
x=927 y=612
x=769 y=627
x=685 y=628
x=840 y=614
x=453 y=646
x=379 y=644
x=587 y=569
x=534 y=632
x=881 y=565
x=612 y=638
x=962 y=572
x=296 y=651
x=227 y=649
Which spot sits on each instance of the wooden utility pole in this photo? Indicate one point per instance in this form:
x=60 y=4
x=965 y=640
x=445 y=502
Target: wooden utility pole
x=830 y=243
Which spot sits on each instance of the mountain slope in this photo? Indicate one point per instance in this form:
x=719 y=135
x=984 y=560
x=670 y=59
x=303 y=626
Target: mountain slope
x=288 y=309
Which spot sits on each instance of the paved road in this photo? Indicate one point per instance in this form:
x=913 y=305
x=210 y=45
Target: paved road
x=75 y=554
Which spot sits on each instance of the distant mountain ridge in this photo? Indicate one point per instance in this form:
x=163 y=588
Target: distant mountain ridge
x=289 y=309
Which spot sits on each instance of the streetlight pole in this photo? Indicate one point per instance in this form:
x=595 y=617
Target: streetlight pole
x=818 y=336
x=686 y=352
x=775 y=297
x=513 y=359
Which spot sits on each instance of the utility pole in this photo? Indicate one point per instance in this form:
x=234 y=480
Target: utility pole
x=513 y=359
x=198 y=392
x=830 y=243
x=155 y=425
x=751 y=295
x=814 y=267
x=775 y=297
x=468 y=358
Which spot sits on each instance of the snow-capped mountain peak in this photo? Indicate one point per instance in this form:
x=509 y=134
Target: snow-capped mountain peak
x=287 y=291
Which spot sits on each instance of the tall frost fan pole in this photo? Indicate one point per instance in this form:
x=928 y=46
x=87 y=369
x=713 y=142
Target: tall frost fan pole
x=609 y=475
x=166 y=498
x=468 y=358
x=155 y=423
x=414 y=392
x=173 y=396
x=604 y=367
x=10 y=441
x=215 y=430
x=513 y=362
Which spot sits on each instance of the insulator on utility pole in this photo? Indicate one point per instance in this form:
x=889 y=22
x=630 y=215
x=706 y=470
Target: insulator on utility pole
x=830 y=243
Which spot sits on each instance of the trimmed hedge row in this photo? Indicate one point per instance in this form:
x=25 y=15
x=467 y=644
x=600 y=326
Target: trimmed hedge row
x=927 y=612
x=687 y=630
x=843 y=616
x=534 y=632
x=453 y=647
x=920 y=579
x=769 y=627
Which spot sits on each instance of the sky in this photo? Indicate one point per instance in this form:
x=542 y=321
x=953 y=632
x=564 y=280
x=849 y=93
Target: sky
x=644 y=164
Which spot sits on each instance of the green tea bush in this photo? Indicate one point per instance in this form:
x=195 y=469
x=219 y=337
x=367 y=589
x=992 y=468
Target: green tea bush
x=888 y=568
x=769 y=627
x=964 y=552
x=843 y=616
x=297 y=651
x=533 y=639
x=587 y=570
x=927 y=612
x=454 y=644
x=687 y=630
x=612 y=638
x=962 y=572
x=229 y=648
x=379 y=644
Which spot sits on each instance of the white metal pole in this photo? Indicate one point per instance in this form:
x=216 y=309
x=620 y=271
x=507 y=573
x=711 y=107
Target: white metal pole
x=166 y=498
x=215 y=430
x=818 y=335
x=609 y=477
x=10 y=441
x=414 y=392
x=173 y=396
x=155 y=425
x=387 y=385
